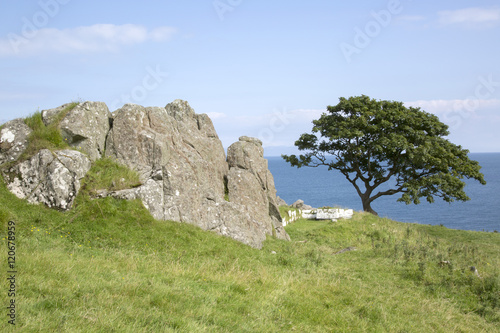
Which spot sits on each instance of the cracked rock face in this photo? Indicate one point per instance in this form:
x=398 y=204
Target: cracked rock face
x=178 y=153
x=179 y=150
x=13 y=140
x=49 y=178
x=251 y=184
x=84 y=127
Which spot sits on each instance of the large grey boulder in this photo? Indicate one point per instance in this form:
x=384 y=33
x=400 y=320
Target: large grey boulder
x=183 y=167
x=51 y=178
x=235 y=222
x=178 y=149
x=13 y=140
x=176 y=146
x=298 y=204
x=84 y=127
x=251 y=184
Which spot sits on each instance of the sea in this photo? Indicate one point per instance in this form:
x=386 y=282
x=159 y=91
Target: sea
x=319 y=187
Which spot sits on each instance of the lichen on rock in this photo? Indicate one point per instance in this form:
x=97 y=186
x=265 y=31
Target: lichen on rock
x=51 y=178
x=13 y=140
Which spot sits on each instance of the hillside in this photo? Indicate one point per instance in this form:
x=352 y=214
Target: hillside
x=108 y=266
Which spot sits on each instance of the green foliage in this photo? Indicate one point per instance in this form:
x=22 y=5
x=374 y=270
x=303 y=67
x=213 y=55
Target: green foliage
x=107 y=174
x=372 y=142
x=45 y=137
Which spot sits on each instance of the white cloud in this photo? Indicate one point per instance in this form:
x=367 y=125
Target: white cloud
x=470 y=17
x=94 y=38
x=162 y=34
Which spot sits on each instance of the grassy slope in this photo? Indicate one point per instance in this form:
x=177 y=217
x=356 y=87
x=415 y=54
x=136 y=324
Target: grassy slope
x=107 y=266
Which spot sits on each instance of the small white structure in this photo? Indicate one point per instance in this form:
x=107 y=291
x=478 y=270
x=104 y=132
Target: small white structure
x=309 y=214
x=293 y=215
x=318 y=214
x=330 y=214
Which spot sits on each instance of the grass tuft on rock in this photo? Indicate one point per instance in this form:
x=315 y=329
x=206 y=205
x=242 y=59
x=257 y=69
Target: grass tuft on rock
x=45 y=137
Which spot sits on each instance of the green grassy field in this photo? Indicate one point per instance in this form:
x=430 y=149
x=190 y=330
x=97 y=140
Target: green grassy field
x=108 y=266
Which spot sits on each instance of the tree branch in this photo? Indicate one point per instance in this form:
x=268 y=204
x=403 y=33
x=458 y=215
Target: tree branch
x=388 y=192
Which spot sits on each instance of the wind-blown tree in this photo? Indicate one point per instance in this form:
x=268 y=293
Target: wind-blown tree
x=383 y=142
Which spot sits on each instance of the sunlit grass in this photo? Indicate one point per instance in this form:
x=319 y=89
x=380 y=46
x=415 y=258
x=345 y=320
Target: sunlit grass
x=108 y=266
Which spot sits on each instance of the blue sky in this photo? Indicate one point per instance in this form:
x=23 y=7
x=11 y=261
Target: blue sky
x=259 y=68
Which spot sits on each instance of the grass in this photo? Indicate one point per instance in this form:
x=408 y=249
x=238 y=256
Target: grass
x=108 y=266
x=45 y=137
x=109 y=175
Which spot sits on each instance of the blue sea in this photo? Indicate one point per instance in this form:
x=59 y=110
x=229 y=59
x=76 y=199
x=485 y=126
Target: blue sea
x=319 y=187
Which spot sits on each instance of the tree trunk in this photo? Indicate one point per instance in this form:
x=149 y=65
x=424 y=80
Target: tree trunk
x=367 y=206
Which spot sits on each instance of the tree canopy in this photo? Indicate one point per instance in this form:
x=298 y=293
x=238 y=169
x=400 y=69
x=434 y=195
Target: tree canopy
x=374 y=142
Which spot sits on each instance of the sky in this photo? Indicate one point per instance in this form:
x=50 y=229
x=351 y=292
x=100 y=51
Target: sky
x=257 y=67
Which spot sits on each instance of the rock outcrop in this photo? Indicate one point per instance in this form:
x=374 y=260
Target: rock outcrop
x=181 y=162
x=280 y=201
x=85 y=126
x=183 y=166
x=51 y=178
x=251 y=184
x=177 y=149
x=298 y=204
x=13 y=140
